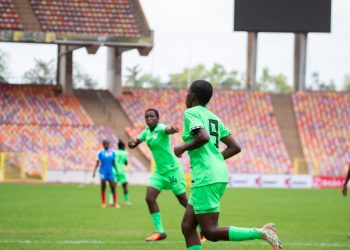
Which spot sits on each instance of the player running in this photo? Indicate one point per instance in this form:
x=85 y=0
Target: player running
x=202 y=134
x=168 y=174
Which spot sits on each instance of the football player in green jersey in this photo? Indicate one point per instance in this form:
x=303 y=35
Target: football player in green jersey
x=168 y=174
x=202 y=133
x=121 y=161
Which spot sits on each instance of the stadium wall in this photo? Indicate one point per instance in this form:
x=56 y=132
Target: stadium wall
x=235 y=180
x=85 y=177
x=270 y=181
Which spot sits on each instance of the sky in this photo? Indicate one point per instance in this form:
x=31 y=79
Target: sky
x=191 y=32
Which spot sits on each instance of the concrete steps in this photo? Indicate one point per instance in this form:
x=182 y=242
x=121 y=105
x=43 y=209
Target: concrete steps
x=12 y=172
x=283 y=110
x=104 y=110
x=26 y=14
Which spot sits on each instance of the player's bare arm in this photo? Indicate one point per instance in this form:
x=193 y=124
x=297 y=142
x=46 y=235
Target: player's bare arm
x=232 y=147
x=133 y=143
x=171 y=130
x=345 y=186
x=96 y=166
x=201 y=137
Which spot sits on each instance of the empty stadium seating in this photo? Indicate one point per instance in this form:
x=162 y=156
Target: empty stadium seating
x=88 y=17
x=249 y=115
x=323 y=122
x=34 y=119
x=67 y=147
x=38 y=104
x=9 y=19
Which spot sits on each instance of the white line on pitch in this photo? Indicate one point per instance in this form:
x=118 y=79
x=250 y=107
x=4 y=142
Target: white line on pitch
x=122 y=242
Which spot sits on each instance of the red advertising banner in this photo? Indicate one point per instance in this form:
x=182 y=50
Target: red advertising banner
x=328 y=182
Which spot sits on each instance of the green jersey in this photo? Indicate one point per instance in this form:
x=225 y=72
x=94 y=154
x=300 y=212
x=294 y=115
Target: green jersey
x=159 y=143
x=121 y=159
x=207 y=163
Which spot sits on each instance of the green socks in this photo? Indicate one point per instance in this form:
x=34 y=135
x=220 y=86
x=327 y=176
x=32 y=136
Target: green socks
x=157 y=222
x=126 y=197
x=195 y=247
x=110 y=197
x=240 y=234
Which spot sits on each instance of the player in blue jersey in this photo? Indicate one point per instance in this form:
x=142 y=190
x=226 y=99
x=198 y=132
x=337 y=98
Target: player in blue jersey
x=106 y=163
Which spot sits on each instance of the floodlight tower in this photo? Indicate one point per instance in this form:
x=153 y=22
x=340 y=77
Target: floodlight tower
x=297 y=16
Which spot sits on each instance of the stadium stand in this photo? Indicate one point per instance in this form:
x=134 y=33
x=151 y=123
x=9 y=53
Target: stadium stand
x=9 y=19
x=323 y=122
x=67 y=147
x=88 y=17
x=36 y=119
x=249 y=115
x=29 y=109
x=38 y=104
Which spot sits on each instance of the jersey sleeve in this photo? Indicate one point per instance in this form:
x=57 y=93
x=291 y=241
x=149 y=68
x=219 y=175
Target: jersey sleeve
x=116 y=155
x=223 y=130
x=98 y=157
x=126 y=156
x=162 y=127
x=142 y=136
x=192 y=121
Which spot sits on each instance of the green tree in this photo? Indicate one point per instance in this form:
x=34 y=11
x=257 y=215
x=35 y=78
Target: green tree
x=81 y=79
x=217 y=75
x=198 y=72
x=232 y=80
x=320 y=85
x=133 y=76
x=4 y=72
x=273 y=83
x=148 y=80
x=42 y=72
x=346 y=86
x=183 y=79
x=327 y=86
x=315 y=78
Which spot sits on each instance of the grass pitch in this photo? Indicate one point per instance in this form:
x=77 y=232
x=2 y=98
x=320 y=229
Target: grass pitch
x=70 y=217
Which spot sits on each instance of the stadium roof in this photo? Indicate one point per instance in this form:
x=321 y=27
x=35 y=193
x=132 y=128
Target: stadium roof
x=82 y=22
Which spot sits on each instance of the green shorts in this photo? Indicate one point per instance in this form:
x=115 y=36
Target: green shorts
x=121 y=178
x=173 y=180
x=206 y=199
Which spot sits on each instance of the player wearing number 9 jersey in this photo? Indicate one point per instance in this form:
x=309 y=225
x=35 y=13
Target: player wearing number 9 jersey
x=168 y=174
x=202 y=133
